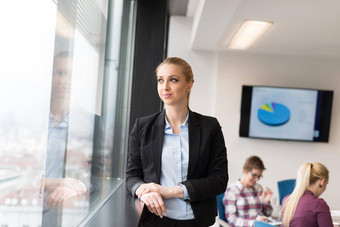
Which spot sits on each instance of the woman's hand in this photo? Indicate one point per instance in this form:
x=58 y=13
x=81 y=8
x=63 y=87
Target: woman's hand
x=62 y=189
x=146 y=188
x=165 y=192
x=154 y=203
x=261 y=218
x=266 y=195
x=73 y=184
x=60 y=194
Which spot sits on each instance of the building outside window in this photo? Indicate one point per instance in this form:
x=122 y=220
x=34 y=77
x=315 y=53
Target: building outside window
x=65 y=83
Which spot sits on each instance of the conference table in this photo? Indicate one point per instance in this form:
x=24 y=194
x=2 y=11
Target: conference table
x=275 y=222
x=335 y=213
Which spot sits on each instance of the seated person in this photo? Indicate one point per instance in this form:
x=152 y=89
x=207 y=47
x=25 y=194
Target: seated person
x=245 y=201
x=304 y=207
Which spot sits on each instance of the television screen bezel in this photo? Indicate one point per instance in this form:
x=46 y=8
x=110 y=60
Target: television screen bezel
x=325 y=113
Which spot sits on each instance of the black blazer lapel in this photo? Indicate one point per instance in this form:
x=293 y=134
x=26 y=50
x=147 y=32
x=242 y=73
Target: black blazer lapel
x=157 y=145
x=194 y=142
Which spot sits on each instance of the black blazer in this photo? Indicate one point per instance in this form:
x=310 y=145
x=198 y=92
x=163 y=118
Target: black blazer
x=208 y=167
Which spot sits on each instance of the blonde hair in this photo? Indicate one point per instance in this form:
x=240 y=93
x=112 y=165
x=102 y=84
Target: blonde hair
x=308 y=174
x=185 y=67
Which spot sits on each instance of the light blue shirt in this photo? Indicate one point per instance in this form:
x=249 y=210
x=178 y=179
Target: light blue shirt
x=175 y=161
x=56 y=148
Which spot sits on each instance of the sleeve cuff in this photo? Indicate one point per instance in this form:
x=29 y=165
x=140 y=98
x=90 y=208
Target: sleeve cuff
x=84 y=187
x=134 y=189
x=185 y=191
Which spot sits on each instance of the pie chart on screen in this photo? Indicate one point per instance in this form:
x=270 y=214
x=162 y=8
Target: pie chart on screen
x=273 y=114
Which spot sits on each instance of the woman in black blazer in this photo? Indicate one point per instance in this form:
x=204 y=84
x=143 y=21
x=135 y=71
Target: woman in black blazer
x=177 y=162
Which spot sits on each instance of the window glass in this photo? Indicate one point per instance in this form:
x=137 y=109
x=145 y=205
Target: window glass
x=64 y=89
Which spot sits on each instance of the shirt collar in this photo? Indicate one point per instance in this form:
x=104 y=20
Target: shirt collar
x=184 y=126
x=62 y=124
x=241 y=187
x=309 y=192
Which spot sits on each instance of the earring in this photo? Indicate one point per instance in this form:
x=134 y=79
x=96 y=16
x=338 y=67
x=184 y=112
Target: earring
x=320 y=186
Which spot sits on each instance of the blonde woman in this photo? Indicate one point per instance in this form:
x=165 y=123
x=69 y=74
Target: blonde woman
x=304 y=207
x=177 y=161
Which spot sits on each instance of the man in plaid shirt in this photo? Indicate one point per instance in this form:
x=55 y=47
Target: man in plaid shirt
x=245 y=201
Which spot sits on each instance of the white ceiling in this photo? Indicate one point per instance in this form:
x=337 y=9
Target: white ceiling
x=301 y=27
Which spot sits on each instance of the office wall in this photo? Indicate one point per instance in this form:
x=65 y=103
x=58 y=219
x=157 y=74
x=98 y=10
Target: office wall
x=219 y=78
x=203 y=64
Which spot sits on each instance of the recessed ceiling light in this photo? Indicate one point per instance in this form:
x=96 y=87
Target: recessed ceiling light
x=248 y=33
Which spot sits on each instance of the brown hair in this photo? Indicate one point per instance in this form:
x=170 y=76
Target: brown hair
x=253 y=162
x=185 y=67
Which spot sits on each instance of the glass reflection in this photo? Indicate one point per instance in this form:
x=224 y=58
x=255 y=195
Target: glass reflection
x=58 y=189
x=61 y=144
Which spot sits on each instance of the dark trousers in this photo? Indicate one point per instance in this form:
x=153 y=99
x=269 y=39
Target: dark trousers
x=152 y=220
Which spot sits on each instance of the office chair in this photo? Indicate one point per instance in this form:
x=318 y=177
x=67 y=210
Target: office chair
x=261 y=224
x=221 y=211
x=285 y=187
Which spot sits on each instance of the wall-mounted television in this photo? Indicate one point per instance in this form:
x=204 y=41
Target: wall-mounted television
x=285 y=113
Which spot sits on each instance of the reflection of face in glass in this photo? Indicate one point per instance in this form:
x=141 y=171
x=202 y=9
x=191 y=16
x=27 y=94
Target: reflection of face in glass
x=61 y=80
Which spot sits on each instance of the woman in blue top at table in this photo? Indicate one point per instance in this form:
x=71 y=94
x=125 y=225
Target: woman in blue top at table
x=177 y=162
x=304 y=207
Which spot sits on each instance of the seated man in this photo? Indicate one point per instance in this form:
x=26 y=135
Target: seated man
x=245 y=201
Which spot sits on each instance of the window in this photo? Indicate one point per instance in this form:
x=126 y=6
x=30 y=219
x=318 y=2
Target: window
x=65 y=91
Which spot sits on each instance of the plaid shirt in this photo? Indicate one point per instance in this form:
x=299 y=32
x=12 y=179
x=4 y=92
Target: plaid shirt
x=243 y=205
